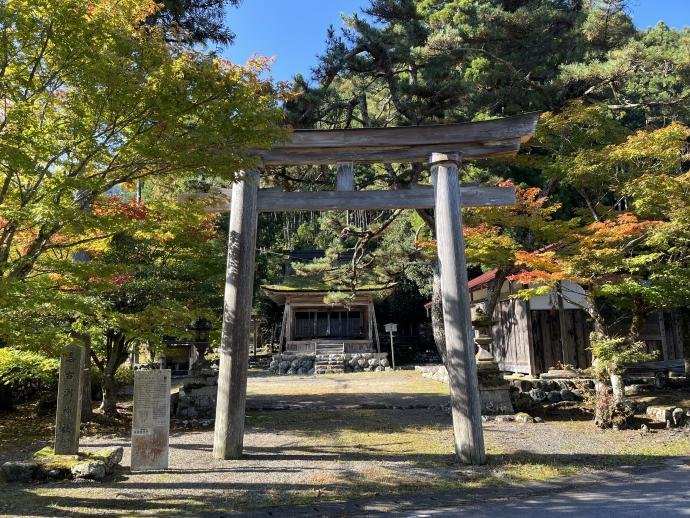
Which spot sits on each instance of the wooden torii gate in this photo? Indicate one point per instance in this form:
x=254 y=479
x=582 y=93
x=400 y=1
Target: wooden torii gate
x=443 y=146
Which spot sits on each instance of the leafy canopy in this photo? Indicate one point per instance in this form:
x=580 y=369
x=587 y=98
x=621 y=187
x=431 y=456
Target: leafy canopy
x=94 y=98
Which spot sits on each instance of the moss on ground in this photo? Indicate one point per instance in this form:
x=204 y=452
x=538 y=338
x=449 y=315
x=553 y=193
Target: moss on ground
x=47 y=458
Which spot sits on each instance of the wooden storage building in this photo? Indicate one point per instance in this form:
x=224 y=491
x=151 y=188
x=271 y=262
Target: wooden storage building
x=527 y=333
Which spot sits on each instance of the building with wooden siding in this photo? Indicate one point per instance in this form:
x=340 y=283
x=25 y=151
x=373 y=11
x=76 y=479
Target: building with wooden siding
x=527 y=333
x=311 y=325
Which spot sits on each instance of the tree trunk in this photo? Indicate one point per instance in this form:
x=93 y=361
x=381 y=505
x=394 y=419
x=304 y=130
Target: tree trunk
x=493 y=292
x=116 y=354
x=603 y=396
x=86 y=410
x=639 y=319
x=617 y=387
x=437 y=325
x=597 y=320
x=602 y=417
x=561 y=324
x=685 y=337
x=109 y=401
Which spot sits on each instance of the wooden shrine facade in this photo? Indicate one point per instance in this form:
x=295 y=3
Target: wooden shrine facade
x=443 y=147
x=309 y=323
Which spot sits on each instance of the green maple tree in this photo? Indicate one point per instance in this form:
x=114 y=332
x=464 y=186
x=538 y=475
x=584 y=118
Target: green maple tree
x=93 y=98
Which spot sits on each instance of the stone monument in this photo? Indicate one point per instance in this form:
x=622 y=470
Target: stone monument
x=68 y=416
x=151 y=420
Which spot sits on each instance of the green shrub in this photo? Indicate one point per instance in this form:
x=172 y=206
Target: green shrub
x=20 y=366
x=23 y=374
x=614 y=354
x=124 y=376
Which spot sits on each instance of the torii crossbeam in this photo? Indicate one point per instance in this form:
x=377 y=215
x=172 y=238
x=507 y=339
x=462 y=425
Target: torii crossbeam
x=443 y=146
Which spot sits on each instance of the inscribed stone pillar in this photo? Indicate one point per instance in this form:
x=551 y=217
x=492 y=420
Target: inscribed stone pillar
x=234 y=350
x=68 y=417
x=151 y=420
x=462 y=370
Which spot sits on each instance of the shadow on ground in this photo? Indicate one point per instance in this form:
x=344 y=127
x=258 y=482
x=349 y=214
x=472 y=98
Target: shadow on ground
x=390 y=400
x=202 y=498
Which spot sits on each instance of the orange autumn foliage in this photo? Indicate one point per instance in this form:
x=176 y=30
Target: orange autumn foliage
x=114 y=206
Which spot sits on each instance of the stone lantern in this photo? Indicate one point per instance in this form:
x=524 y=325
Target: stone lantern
x=201 y=329
x=196 y=398
x=494 y=389
x=483 y=324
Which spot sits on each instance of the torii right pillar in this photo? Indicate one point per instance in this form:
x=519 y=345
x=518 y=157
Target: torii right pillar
x=457 y=320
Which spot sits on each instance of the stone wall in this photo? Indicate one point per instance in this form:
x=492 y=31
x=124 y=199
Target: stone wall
x=366 y=362
x=304 y=364
x=290 y=363
x=552 y=390
x=433 y=372
x=549 y=390
x=494 y=394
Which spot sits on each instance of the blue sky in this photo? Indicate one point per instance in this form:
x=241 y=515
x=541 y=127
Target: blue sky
x=294 y=31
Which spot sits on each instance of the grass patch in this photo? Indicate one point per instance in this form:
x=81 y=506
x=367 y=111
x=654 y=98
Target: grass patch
x=400 y=382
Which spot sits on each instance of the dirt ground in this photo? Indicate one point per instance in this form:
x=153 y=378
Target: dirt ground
x=328 y=439
x=402 y=389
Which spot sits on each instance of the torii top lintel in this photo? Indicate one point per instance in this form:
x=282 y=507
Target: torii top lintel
x=474 y=140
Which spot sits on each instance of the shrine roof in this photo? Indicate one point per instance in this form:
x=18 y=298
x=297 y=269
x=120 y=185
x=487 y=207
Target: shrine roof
x=292 y=287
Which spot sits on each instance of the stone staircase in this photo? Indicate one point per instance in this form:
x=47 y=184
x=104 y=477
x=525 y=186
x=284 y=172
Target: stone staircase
x=330 y=358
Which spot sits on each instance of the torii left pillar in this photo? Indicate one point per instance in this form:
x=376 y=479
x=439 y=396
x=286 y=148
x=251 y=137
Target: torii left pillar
x=234 y=348
x=457 y=322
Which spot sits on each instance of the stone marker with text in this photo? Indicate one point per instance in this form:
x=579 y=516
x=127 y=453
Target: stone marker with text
x=68 y=416
x=151 y=420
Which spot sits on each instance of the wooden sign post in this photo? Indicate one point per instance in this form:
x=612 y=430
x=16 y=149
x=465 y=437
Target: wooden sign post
x=442 y=146
x=390 y=329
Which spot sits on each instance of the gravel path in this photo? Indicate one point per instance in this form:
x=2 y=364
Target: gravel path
x=308 y=455
x=664 y=493
x=296 y=465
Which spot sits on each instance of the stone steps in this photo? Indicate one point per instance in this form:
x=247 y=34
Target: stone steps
x=323 y=349
x=329 y=369
x=329 y=363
